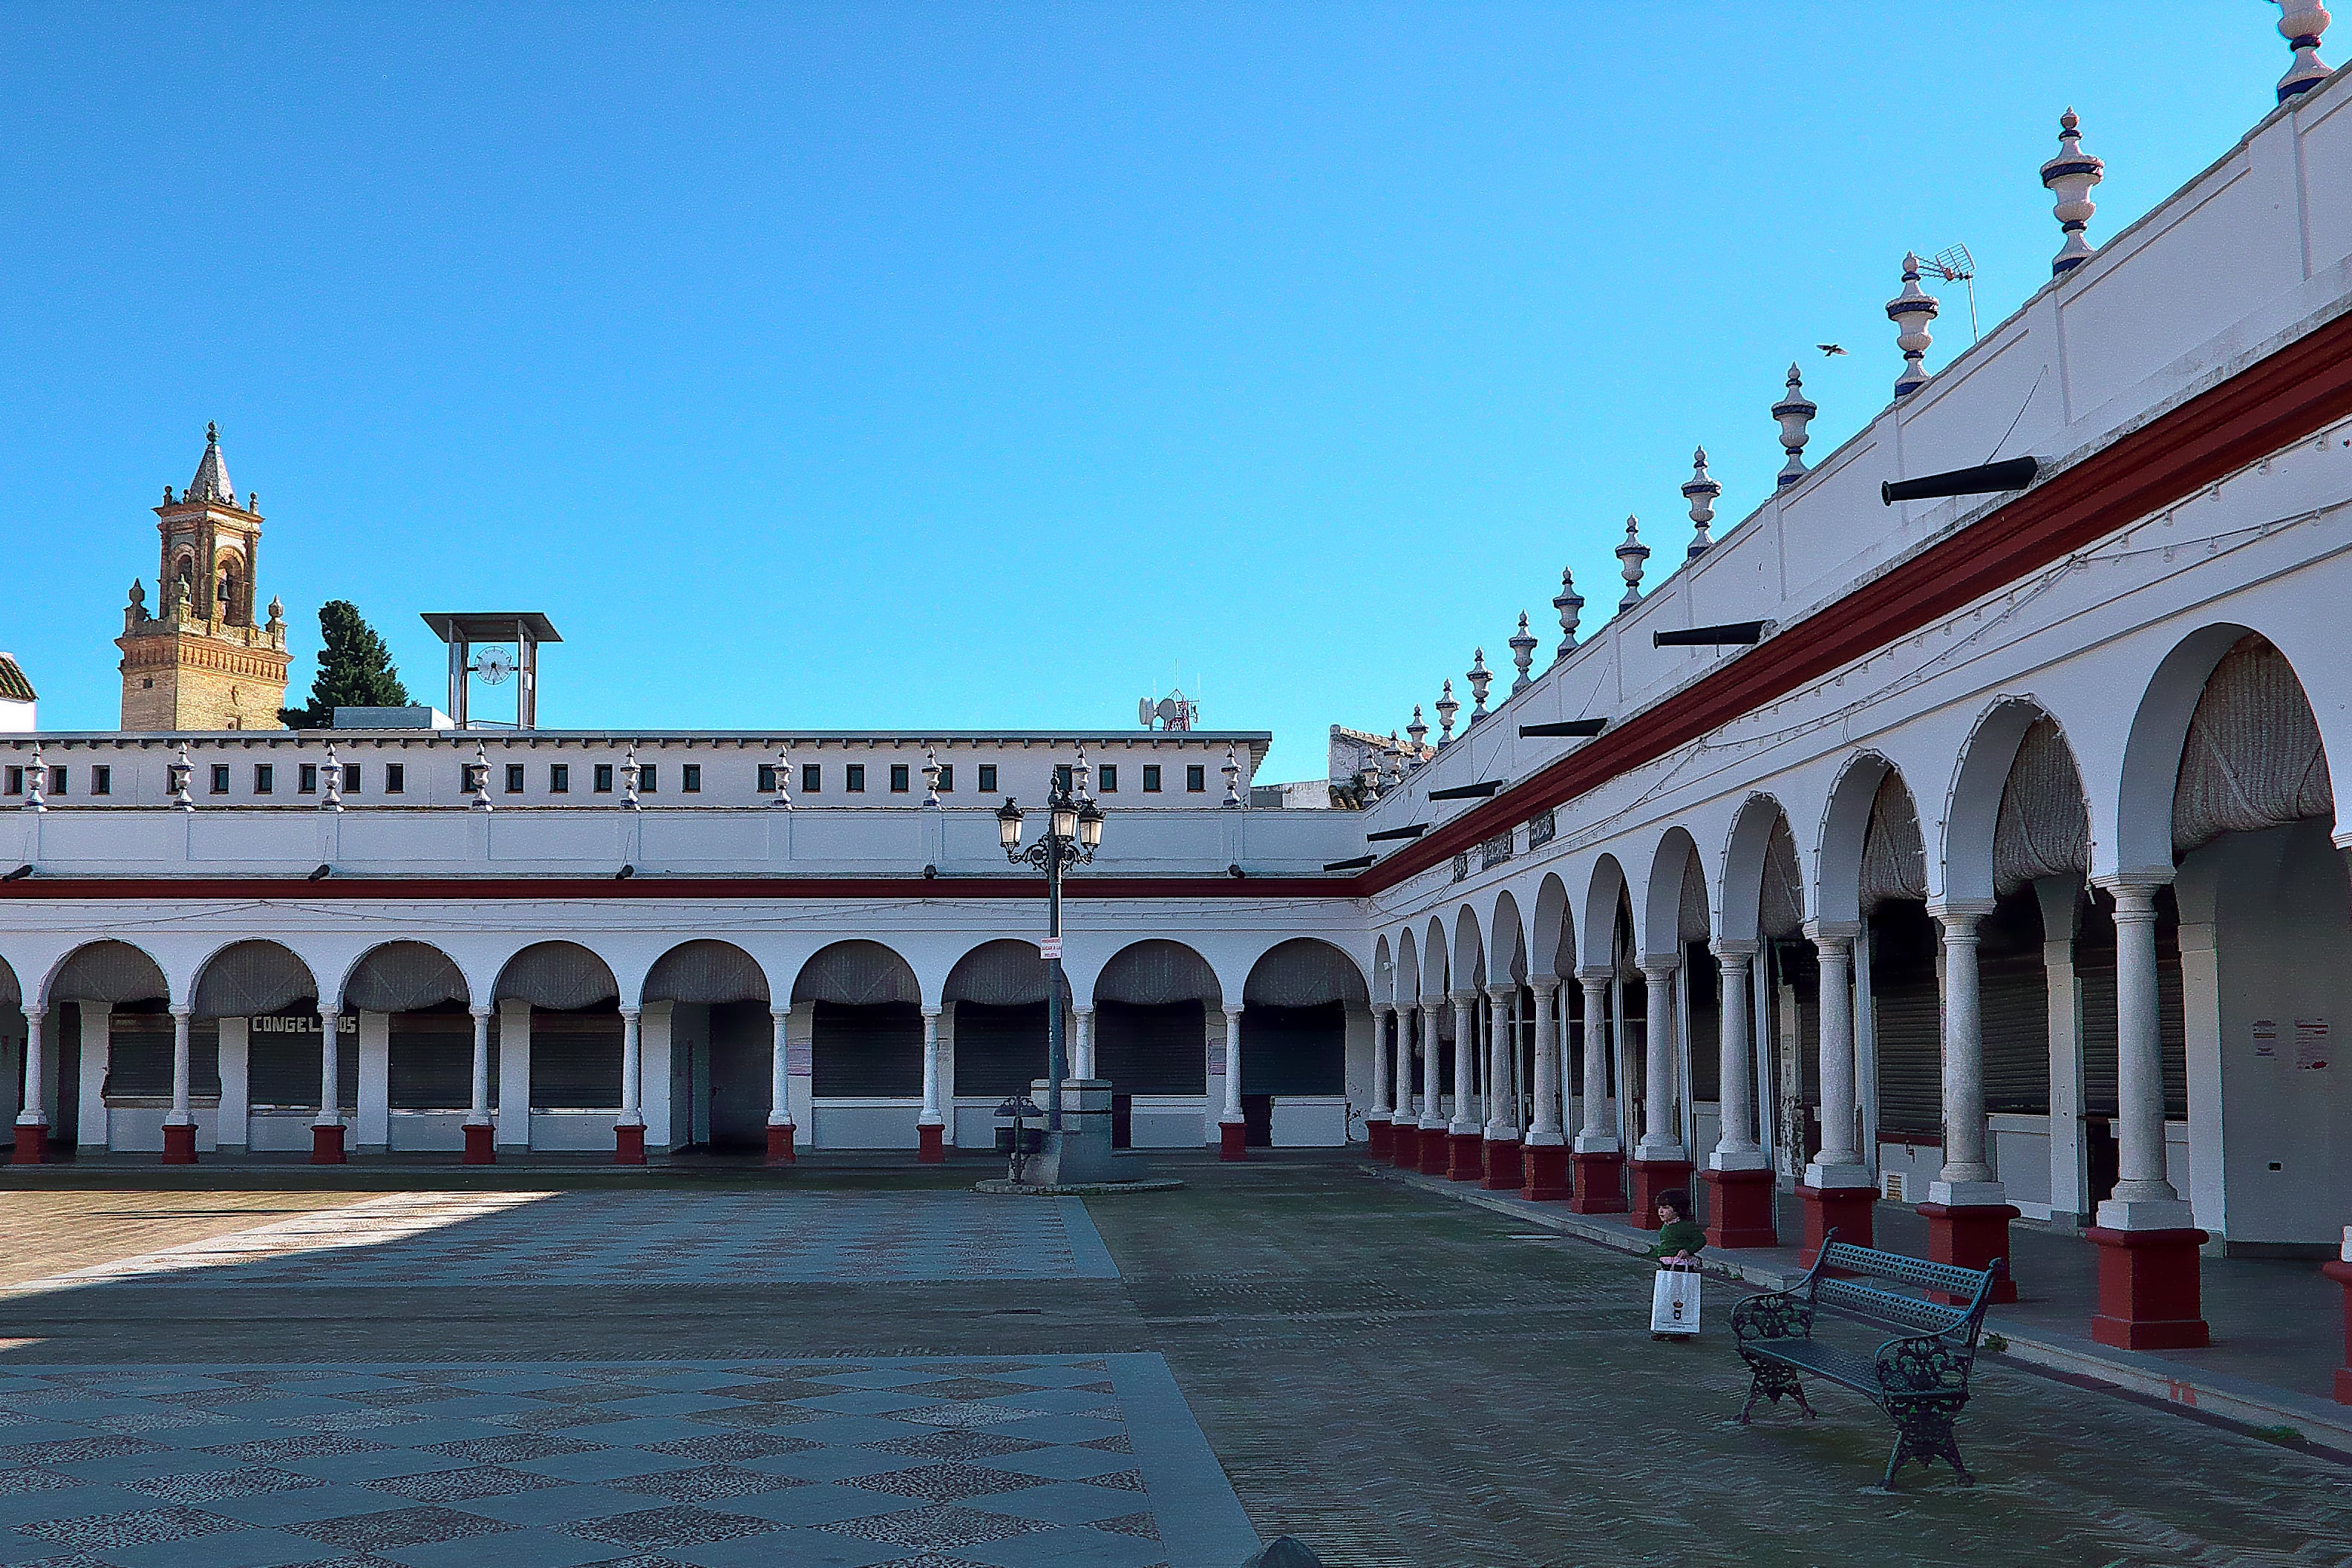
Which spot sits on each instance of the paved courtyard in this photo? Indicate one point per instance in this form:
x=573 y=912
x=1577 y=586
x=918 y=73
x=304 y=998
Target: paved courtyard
x=695 y=1377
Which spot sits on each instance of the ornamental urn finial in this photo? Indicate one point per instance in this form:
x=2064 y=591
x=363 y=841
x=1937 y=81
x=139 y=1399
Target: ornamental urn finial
x=1523 y=654
x=1418 y=734
x=331 y=796
x=37 y=777
x=1446 y=708
x=1911 y=310
x=1232 y=771
x=1701 y=492
x=1631 y=556
x=2069 y=177
x=1480 y=678
x=1570 y=606
x=1795 y=411
x=477 y=774
x=932 y=775
x=783 y=795
x=181 y=768
x=630 y=773
x=2300 y=24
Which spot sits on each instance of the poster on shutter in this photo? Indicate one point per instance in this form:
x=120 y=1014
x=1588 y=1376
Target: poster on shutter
x=2265 y=1038
x=800 y=1059
x=2311 y=1043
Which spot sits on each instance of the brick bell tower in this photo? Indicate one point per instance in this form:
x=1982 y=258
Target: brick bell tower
x=202 y=663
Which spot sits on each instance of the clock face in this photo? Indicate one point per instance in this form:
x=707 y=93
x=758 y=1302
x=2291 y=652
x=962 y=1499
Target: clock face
x=494 y=665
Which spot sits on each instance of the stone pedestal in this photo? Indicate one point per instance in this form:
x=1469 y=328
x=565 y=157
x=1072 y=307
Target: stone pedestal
x=1501 y=1171
x=481 y=1143
x=1436 y=1149
x=2150 y=1295
x=1378 y=1140
x=179 y=1144
x=779 y=1144
x=1544 y=1168
x=1233 y=1140
x=32 y=1141
x=628 y=1144
x=1971 y=1236
x=1599 y=1182
x=1404 y=1146
x=1845 y=1210
x=1739 y=1209
x=1465 y=1156
x=930 y=1145
x=1082 y=1151
x=2341 y=1272
x=1652 y=1177
x=327 y=1145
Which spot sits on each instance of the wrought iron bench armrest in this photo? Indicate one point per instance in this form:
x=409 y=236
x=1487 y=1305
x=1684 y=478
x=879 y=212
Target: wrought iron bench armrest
x=1924 y=1364
x=1775 y=1315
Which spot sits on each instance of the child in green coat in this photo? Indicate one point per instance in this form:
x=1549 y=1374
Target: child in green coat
x=1680 y=1237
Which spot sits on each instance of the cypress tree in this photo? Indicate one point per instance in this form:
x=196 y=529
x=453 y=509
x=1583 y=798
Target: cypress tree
x=355 y=670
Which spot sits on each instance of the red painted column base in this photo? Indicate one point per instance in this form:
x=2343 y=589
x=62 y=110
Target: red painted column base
x=780 y=1145
x=1466 y=1156
x=482 y=1144
x=1846 y=1210
x=1436 y=1149
x=179 y=1144
x=327 y=1145
x=628 y=1145
x=2150 y=1295
x=1378 y=1140
x=931 y=1145
x=1600 y=1183
x=1739 y=1209
x=2342 y=1274
x=1545 y=1166
x=1652 y=1177
x=1971 y=1236
x=32 y=1141
x=1503 y=1167
x=1404 y=1145
x=1233 y=1140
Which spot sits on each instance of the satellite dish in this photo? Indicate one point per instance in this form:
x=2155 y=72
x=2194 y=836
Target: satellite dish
x=1169 y=711
x=1143 y=712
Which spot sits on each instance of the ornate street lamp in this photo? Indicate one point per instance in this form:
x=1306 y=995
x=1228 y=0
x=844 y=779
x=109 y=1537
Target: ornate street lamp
x=1073 y=827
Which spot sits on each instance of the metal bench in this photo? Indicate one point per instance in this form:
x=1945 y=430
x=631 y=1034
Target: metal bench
x=1919 y=1378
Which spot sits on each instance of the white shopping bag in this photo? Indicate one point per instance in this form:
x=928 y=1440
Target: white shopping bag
x=1673 y=1300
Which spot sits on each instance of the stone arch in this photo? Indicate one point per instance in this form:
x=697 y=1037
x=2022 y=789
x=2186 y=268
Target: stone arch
x=866 y=1038
x=404 y=977
x=1675 y=897
x=1469 y=949
x=1322 y=972
x=1869 y=846
x=1552 y=943
x=2016 y=809
x=1006 y=971
x=251 y=977
x=856 y=972
x=561 y=976
x=1763 y=890
x=1605 y=895
x=12 y=994
x=1152 y=1007
x=706 y=971
x=1158 y=970
x=1435 y=975
x=2153 y=752
x=1383 y=972
x=1408 y=970
x=108 y=971
x=1507 y=951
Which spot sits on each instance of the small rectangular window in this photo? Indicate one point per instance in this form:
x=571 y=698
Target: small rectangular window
x=220 y=778
x=559 y=778
x=604 y=781
x=767 y=778
x=350 y=778
x=1062 y=776
x=1196 y=778
x=15 y=781
x=897 y=778
x=987 y=778
x=646 y=779
x=58 y=780
x=305 y=779
x=101 y=780
x=1107 y=778
x=811 y=777
x=1151 y=778
x=856 y=783
x=264 y=778
x=690 y=778
x=947 y=778
x=395 y=778
x=514 y=778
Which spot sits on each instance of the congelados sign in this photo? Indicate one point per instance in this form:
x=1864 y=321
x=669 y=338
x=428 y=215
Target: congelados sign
x=299 y=1023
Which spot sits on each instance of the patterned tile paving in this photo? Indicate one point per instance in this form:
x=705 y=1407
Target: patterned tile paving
x=470 y=1240
x=865 y=1463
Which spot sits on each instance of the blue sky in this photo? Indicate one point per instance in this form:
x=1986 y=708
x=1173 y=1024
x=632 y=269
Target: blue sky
x=884 y=366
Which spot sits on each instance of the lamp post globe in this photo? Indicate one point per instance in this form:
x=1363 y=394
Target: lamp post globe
x=1008 y=825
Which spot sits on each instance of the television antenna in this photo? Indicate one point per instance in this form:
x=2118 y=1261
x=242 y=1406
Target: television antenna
x=1953 y=264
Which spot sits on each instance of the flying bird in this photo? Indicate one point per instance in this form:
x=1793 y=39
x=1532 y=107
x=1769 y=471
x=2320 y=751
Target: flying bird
x=1829 y=348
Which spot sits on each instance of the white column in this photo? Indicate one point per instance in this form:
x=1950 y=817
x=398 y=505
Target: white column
x=1465 y=1048
x=330 y=1074
x=1839 y=1163
x=780 y=1086
x=2144 y=1199
x=1967 y=1177
x=183 y=1071
x=479 y=1115
x=1736 y=1147
x=1432 y=1096
x=930 y=1116
x=2061 y=898
x=1233 y=1111
x=1082 y=1055
x=513 y=1116
x=1546 y=1118
x=1407 y=1029
x=1502 y=1047
x=36 y=1102
x=1382 y=1017
x=1662 y=1136
x=632 y=1069
x=1597 y=1137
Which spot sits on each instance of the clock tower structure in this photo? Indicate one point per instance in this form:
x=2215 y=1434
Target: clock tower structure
x=201 y=662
